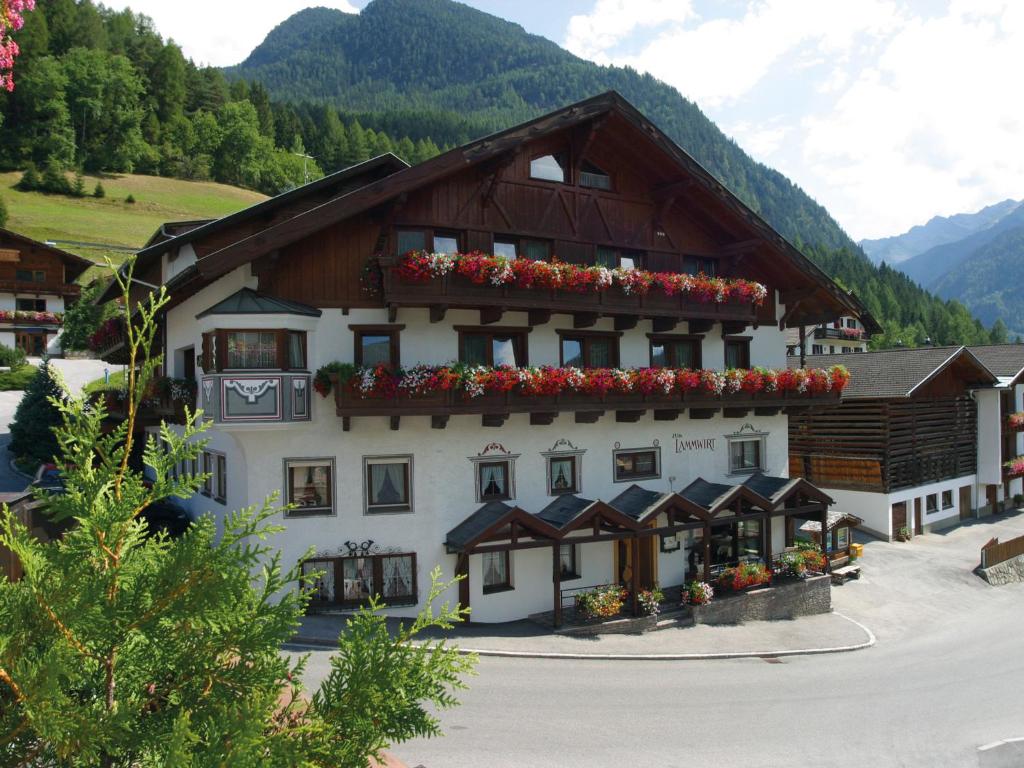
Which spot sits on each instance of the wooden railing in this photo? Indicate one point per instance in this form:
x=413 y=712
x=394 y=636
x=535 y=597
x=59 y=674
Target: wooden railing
x=995 y=552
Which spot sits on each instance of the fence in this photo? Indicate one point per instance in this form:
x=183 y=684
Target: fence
x=994 y=553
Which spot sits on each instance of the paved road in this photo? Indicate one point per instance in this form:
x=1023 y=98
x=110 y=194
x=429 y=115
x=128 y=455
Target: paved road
x=945 y=677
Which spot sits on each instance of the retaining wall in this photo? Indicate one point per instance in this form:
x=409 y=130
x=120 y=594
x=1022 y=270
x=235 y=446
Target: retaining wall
x=1007 y=572
x=779 y=601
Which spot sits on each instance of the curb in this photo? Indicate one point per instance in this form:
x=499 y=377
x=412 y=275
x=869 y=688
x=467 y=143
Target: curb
x=17 y=471
x=319 y=644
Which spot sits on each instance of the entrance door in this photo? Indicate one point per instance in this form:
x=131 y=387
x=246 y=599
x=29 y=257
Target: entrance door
x=918 y=527
x=32 y=344
x=899 y=517
x=625 y=565
x=992 y=495
x=965 y=502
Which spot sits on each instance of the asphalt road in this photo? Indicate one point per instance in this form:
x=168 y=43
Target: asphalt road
x=946 y=676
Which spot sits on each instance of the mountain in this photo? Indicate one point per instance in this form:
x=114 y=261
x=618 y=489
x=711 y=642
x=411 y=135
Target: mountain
x=440 y=73
x=929 y=267
x=938 y=231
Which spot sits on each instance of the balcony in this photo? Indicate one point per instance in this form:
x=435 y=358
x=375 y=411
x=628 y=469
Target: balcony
x=256 y=397
x=495 y=407
x=26 y=317
x=457 y=291
x=843 y=334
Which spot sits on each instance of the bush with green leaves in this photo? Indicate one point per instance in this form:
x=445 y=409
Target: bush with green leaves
x=29 y=181
x=130 y=199
x=84 y=317
x=54 y=180
x=11 y=357
x=125 y=650
x=38 y=415
x=98 y=191
x=3 y=213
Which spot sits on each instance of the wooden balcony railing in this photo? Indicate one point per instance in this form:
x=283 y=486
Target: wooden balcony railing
x=843 y=334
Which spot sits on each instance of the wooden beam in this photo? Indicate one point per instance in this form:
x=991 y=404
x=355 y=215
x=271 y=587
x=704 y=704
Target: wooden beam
x=667 y=414
x=588 y=417
x=740 y=247
x=732 y=327
x=674 y=189
x=626 y=322
x=796 y=294
x=394 y=422
x=735 y=413
x=542 y=418
x=763 y=410
x=701 y=326
x=462 y=571
x=437 y=312
x=633 y=582
x=665 y=324
x=538 y=316
x=556 y=574
x=392 y=313
x=703 y=413
x=493 y=419
x=628 y=417
x=438 y=421
x=784 y=320
x=346 y=423
x=489 y=315
x=584 y=319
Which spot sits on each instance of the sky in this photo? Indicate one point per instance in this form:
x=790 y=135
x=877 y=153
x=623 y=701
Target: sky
x=887 y=112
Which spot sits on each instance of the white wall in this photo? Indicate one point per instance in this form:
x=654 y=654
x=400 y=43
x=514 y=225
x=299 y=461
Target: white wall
x=990 y=435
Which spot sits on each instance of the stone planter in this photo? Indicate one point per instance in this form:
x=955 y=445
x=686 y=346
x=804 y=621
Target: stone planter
x=782 y=600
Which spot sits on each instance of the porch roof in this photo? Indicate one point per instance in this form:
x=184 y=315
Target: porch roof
x=637 y=502
x=490 y=519
x=569 y=512
x=834 y=519
x=246 y=301
x=779 y=489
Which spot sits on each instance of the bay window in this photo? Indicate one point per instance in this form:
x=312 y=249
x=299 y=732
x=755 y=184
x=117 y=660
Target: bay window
x=254 y=349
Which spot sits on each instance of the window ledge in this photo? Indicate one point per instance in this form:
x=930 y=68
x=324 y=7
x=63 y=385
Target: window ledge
x=310 y=512
x=500 y=588
x=634 y=478
x=403 y=510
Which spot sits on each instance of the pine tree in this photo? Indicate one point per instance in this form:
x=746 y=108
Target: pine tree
x=98 y=191
x=121 y=649
x=29 y=179
x=36 y=416
x=78 y=186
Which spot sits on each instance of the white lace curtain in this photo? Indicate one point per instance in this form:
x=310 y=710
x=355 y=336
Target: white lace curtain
x=397 y=574
x=492 y=481
x=387 y=483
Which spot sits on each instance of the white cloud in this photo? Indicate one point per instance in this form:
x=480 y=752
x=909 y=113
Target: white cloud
x=218 y=32
x=593 y=35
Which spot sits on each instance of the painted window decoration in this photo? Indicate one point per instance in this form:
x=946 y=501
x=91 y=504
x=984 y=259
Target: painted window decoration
x=388 y=484
x=497 y=571
x=947 y=499
x=568 y=562
x=637 y=463
x=309 y=484
x=300 y=398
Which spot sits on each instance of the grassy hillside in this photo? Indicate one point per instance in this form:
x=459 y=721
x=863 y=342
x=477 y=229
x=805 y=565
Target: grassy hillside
x=111 y=220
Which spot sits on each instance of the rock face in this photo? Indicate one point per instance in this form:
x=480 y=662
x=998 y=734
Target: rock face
x=1007 y=572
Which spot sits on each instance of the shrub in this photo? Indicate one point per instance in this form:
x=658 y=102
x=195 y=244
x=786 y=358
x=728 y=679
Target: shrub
x=32 y=431
x=54 y=181
x=11 y=357
x=83 y=318
x=30 y=180
x=98 y=190
x=322 y=381
x=17 y=379
x=698 y=593
x=130 y=199
x=78 y=186
x=601 y=603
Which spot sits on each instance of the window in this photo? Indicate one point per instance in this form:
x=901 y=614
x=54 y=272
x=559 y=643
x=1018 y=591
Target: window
x=30 y=275
x=208 y=474
x=675 y=352
x=411 y=240
x=568 y=563
x=817 y=349
x=275 y=349
x=562 y=475
x=842 y=535
x=592 y=350
x=593 y=177
x=435 y=241
x=931 y=503
x=498 y=346
x=377 y=344
x=745 y=455
x=251 y=349
x=309 y=485
x=548 y=167
x=515 y=247
x=497 y=571
x=296 y=349
x=699 y=265
x=737 y=353
x=221 y=485
x=388 y=484
x=637 y=464
x=616 y=257
x=748 y=539
x=392 y=577
x=494 y=480
x=947 y=499
x=30 y=305
x=851 y=323
x=831 y=349
x=446 y=242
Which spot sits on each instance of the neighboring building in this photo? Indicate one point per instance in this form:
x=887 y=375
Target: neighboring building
x=524 y=493
x=1006 y=361
x=37 y=283
x=838 y=337
x=911 y=445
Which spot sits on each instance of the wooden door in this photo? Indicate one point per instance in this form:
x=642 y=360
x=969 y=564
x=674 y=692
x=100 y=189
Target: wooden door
x=32 y=344
x=645 y=573
x=992 y=495
x=645 y=567
x=899 y=517
x=965 y=502
x=918 y=527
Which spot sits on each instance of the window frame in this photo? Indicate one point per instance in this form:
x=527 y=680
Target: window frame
x=206 y=465
x=943 y=501
x=577 y=572
x=220 y=486
x=561 y=157
x=35 y=302
x=504 y=586
x=322 y=510
x=654 y=450
x=388 y=509
x=337 y=565
x=931 y=503
x=696 y=340
x=519 y=242
x=521 y=333
x=743 y=342
x=484 y=498
x=575 y=471
x=586 y=338
x=215 y=349
x=700 y=262
x=758 y=440
x=382 y=329
x=429 y=233
x=34 y=275
x=594 y=173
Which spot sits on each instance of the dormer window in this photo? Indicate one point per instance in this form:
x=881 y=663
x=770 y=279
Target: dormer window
x=593 y=177
x=548 y=168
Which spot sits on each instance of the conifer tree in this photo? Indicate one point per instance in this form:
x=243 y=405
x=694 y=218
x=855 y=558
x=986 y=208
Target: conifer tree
x=37 y=415
x=124 y=650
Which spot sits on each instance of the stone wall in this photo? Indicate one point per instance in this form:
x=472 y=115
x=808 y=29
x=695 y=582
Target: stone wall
x=780 y=601
x=1007 y=572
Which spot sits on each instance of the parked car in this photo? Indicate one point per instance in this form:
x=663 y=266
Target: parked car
x=48 y=478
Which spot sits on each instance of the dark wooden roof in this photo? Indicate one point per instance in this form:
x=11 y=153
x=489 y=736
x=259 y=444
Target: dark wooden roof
x=814 y=292
x=248 y=302
x=636 y=502
x=73 y=265
x=896 y=373
x=492 y=518
x=779 y=489
x=1004 y=360
x=834 y=519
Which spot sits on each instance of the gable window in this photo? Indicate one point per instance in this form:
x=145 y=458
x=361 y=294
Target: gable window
x=30 y=275
x=411 y=240
x=30 y=305
x=487 y=346
x=947 y=499
x=309 y=485
x=593 y=177
x=637 y=464
x=589 y=350
x=568 y=562
x=745 y=455
x=851 y=322
x=737 y=352
x=377 y=345
x=548 y=167
x=497 y=568
x=699 y=265
x=433 y=240
x=675 y=352
x=494 y=480
x=388 y=484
